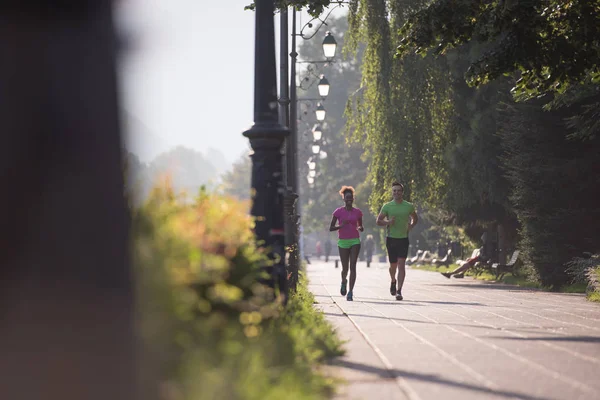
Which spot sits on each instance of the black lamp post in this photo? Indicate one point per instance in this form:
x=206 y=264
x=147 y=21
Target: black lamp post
x=288 y=102
x=266 y=137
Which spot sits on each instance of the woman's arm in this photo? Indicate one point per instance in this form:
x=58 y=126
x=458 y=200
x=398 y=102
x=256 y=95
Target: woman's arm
x=332 y=226
x=360 y=225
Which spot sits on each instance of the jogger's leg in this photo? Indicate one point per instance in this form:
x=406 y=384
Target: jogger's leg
x=401 y=273
x=345 y=260
x=392 y=270
x=354 y=251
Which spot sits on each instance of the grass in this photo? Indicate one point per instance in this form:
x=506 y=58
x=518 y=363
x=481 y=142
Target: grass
x=594 y=294
x=510 y=280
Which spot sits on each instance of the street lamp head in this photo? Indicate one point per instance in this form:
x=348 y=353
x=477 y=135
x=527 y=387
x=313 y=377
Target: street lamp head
x=323 y=86
x=329 y=45
x=317 y=133
x=312 y=173
x=320 y=112
x=312 y=165
x=316 y=148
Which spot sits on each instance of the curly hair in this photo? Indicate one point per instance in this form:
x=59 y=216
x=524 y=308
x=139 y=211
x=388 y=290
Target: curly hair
x=345 y=189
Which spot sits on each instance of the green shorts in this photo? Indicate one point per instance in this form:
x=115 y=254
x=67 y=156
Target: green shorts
x=347 y=243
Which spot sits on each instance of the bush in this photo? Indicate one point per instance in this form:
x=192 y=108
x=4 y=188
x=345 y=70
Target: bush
x=587 y=270
x=554 y=183
x=211 y=328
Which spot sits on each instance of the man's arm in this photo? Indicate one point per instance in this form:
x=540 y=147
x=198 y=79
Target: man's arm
x=382 y=221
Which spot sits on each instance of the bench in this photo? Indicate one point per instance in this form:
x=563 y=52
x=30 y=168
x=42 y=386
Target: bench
x=501 y=269
x=444 y=261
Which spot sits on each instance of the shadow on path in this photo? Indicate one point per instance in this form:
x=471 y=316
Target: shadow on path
x=351 y=314
x=394 y=373
x=488 y=285
x=416 y=302
x=580 y=339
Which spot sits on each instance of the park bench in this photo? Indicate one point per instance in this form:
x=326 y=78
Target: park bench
x=444 y=261
x=425 y=258
x=474 y=254
x=414 y=259
x=501 y=269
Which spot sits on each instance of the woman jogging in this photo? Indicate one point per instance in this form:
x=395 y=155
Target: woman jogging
x=349 y=221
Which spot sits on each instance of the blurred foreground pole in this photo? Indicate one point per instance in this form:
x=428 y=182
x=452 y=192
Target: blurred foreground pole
x=266 y=138
x=66 y=291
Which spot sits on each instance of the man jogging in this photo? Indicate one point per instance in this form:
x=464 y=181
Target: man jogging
x=399 y=217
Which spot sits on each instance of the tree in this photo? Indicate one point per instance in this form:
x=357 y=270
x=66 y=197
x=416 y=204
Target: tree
x=236 y=181
x=423 y=125
x=340 y=163
x=554 y=44
x=551 y=48
x=555 y=183
x=313 y=7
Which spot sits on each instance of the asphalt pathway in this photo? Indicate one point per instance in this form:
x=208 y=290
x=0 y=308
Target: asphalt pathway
x=459 y=338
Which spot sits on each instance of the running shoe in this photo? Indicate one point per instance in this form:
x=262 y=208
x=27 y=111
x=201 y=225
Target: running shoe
x=393 y=288
x=343 y=289
x=349 y=297
x=446 y=274
x=399 y=296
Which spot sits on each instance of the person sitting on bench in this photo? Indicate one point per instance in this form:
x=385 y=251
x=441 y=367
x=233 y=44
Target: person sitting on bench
x=477 y=256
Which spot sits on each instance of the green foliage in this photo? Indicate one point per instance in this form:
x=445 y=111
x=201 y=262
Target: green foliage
x=343 y=164
x=553 y=44
x=463 y=159
x=554 y=186
x=586 y=270
x=213 y=330
x=421 y=124
x=313 y=7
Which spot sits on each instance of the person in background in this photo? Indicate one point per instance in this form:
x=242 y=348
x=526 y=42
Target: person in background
x=327 y=249
x=369 y=248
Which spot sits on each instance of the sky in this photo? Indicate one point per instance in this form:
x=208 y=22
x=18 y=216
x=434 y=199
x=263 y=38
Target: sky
x=188 y=78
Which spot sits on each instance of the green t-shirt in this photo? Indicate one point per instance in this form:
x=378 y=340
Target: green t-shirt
x=401 y=211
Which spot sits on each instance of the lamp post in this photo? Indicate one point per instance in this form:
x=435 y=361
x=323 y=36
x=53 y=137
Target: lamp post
x=323 y=86
x=329 y=45
x=320 y=112
x=266 y=139
x=292 y=211
x=317 y=133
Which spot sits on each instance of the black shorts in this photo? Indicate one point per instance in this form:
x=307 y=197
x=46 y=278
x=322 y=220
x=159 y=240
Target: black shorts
x=396 y=248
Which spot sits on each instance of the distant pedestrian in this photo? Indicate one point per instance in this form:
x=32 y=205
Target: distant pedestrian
x=350 y=223
x=399 y=217
x=319 y=249
x=369 y=248
x=327 y=249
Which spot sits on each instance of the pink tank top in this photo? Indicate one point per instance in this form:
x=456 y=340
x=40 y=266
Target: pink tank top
x=348 y=221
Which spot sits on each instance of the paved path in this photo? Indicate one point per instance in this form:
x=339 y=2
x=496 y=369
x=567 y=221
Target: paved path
x=459 y=339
